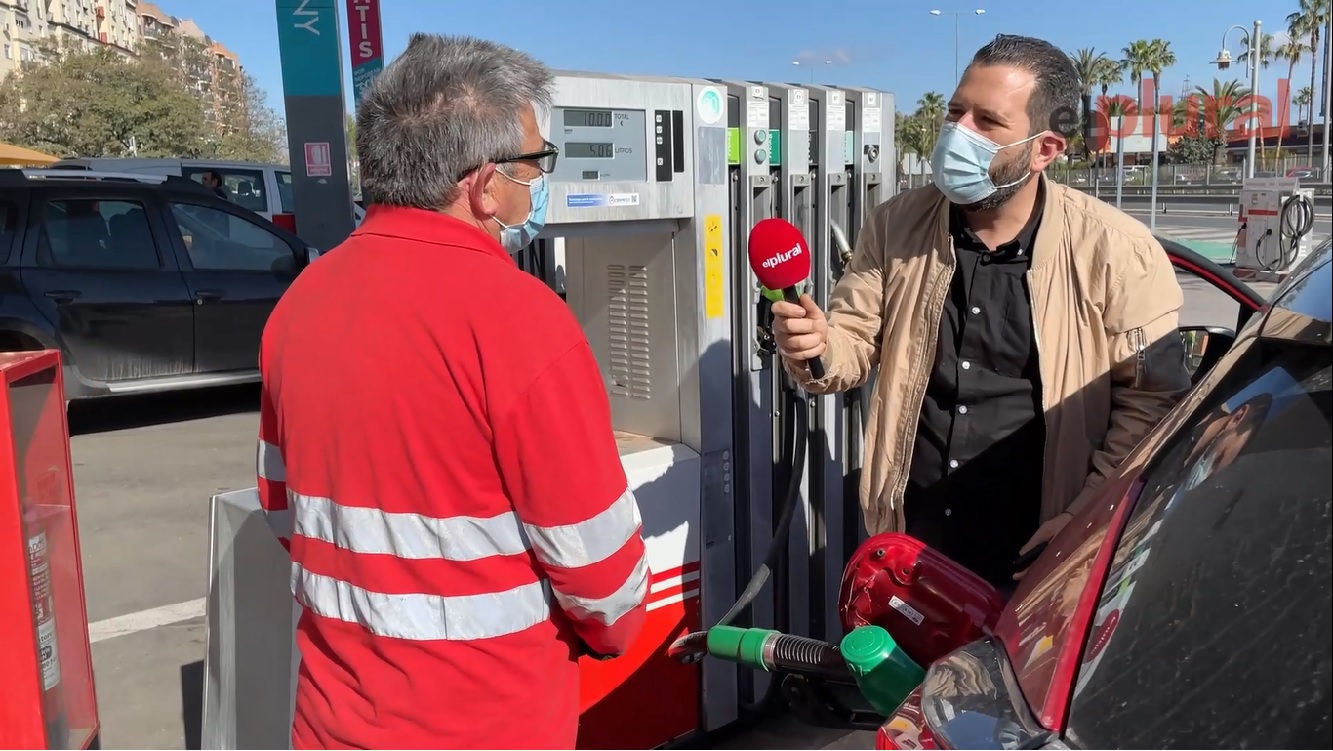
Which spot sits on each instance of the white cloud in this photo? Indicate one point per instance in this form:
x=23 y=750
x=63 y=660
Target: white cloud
x=837 y=56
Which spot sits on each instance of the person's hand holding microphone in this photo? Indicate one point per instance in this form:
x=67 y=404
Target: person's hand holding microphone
x=780 y=258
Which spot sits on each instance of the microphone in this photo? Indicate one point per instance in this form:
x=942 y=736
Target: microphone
x=780 y=259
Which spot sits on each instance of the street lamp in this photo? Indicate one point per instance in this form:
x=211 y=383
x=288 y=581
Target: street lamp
x=1253 y=40
x=956 y=14
x=811 y=66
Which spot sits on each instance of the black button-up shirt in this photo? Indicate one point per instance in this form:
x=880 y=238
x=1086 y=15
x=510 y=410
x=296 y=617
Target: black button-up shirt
x=974 y=485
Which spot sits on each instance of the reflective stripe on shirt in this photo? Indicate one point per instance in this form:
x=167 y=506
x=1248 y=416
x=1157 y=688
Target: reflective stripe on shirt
x=591 y=541
x=405 y=535
x=422 y=617
x=611 y=608
x=360 y=529
x=269 y=463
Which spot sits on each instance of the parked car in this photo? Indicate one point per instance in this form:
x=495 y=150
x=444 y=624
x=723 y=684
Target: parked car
x=143 y=282
x=265 y=189
x=1189 y=606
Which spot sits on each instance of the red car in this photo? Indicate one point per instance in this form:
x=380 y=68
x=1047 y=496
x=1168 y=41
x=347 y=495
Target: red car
x=1191 y=607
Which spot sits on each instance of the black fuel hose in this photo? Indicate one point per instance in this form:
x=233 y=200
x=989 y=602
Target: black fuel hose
x=801 y=654
x=692 y=646
x=1296 y=221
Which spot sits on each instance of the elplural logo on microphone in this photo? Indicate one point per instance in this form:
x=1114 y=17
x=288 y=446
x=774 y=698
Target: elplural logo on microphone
x=772 y=263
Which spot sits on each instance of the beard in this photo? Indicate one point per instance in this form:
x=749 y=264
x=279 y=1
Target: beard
x=1008 y=179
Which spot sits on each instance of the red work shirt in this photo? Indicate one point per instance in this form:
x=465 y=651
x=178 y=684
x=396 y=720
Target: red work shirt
x=436 y=433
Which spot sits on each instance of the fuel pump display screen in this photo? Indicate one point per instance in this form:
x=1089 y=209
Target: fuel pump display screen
x=589 y=119
x=600 y=145
x=581 y=150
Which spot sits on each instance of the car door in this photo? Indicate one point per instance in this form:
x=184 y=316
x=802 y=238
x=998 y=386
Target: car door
x=97 y=264
x=236 y=267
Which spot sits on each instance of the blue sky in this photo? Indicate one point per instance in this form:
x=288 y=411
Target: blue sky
x=893 y=45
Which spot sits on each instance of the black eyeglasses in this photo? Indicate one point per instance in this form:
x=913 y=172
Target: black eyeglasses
x=544 y=159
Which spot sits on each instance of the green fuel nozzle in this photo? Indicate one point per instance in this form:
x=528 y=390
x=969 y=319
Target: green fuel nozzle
x=868 y=655
x=773 y=651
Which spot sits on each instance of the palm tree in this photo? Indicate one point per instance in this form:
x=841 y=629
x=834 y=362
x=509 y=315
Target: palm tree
x=1292 y=51
x=1307 y=22
x=1266 y=51
x=1222 y=105
x=1159 y=57
x=1265 y=55
x=1135 y=63
x=1303 y=99
x=1088 y=63
x=930 y=111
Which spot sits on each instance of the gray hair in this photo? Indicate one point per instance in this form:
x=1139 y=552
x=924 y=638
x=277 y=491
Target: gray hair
x=446 y=106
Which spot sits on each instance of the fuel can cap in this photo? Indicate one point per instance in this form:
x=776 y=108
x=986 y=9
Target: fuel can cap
x=865 y=648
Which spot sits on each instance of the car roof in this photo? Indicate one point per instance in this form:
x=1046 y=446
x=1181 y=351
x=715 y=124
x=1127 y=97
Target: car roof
x=67 y=179
x=113 y=161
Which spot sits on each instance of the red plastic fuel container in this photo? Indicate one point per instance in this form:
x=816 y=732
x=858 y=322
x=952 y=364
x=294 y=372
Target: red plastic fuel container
x=927 y=602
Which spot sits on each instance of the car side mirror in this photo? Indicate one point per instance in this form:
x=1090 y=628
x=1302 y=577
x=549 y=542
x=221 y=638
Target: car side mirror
x=311 y=254
x=1204 y=346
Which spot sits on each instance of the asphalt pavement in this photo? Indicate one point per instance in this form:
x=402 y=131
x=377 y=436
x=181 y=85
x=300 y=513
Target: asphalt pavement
x=144 y=470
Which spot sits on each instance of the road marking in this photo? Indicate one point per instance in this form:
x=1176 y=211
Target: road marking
x=144 y=620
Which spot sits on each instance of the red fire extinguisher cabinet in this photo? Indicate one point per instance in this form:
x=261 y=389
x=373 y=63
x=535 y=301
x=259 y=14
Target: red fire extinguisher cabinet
x=47 y=697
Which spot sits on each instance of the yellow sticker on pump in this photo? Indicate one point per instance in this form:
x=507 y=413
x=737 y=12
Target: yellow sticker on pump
x=715 y=289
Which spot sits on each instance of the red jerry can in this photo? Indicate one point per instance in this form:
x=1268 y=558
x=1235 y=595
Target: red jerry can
x=927 y=602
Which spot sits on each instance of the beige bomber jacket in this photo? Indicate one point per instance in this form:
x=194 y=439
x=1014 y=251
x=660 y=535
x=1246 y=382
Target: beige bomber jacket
x=1105 y=304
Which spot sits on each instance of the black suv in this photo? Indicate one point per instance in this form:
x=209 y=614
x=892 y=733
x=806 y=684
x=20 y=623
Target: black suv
x=144 y=283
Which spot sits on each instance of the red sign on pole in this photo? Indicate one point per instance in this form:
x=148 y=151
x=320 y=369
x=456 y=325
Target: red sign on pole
x=318 y=160
x=367 y=42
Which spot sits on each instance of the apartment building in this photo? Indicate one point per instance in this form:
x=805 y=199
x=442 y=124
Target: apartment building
x=77 y=23
x=210 y=70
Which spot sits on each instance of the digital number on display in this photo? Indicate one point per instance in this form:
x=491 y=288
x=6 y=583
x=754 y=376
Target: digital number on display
x=574 y=150
x=588 y=119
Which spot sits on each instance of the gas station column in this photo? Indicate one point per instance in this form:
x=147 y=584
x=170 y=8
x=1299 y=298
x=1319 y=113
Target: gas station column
x=312 y=86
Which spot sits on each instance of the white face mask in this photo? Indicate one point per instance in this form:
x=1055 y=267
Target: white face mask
x=516 y=237
x=962 y=161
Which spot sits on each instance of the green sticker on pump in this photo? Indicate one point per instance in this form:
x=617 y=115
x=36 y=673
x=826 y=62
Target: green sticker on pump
x=733 y=146
x=848 y=147
x=775 y=148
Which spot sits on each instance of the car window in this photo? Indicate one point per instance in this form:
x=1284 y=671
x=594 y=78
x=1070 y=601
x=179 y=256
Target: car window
x=1213 y=627
x=285 y=193
x=244 y=187
x=9 y=213
x=90 y=233
x=218 y=240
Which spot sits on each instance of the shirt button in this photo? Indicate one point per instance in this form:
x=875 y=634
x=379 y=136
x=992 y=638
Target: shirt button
x=962 y=409
x=976 y=310
x=948 y=512
x=966 y=365
x=953 y=464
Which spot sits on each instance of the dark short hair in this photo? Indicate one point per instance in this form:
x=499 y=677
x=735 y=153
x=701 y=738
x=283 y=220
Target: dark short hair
x=1054 y=104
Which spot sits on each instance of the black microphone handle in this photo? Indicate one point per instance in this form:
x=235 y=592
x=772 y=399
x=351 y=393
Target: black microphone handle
x=817 y=364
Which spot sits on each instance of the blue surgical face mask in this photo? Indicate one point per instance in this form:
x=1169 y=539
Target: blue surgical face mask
x=516 y=237
x=962 y=161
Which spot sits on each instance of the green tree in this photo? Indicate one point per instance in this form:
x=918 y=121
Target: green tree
x=251 y=131
x=1195 y=148
x=97 y=103
x=1307 y=23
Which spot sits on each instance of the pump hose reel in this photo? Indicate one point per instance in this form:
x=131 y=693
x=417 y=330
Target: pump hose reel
x=1295 y=221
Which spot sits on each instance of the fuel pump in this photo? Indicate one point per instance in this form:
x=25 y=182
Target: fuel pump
x=1276 y=217
x=827 y=543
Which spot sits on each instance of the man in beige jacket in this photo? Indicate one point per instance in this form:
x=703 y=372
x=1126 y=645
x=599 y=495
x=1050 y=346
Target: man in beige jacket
x=1025 y=333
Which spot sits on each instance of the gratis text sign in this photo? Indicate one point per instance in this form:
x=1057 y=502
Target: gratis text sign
x=366 y=40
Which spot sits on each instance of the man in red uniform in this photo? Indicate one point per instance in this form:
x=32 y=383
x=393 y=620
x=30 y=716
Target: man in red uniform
x=437 y=435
